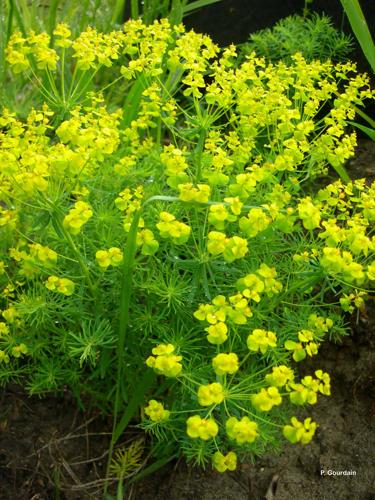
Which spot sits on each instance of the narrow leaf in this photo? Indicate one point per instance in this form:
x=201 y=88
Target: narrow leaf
x=360 y=28
x=134 y=404
x=367 y=130
x=197 y=4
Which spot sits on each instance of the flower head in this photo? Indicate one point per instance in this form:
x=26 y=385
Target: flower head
x=202 y=428
x=242 y=431
x=226 y=462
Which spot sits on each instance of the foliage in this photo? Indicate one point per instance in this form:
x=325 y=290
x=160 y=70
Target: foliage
x=313 y=36
x=164 y=250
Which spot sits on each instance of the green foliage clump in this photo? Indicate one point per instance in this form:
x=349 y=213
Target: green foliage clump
x=167 y=254
x=314 y=36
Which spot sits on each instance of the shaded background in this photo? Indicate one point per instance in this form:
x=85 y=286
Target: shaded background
x=231 y=21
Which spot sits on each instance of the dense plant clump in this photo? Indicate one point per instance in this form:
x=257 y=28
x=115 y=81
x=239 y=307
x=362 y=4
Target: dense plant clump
x=314 y=36
x=195 y=195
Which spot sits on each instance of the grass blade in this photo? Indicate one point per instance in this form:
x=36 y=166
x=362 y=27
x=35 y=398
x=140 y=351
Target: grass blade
x=118 y=12
x=367 y=130
x=52 y=16
x=197 y=4
x=140 y=390
x=151 y=468
x=360 y=28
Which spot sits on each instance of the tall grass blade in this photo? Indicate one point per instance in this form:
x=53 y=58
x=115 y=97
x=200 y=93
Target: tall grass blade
x=19 y=18
x=370 y=132
x=360 y=28
x=132 y=101
x=177 y=13
x=139 y=392
x=134 y=9
x=118 y=11
x=53 y=16
x=197 y=4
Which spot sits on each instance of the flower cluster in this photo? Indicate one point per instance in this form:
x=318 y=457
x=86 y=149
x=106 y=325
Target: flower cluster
x=170 y=228
x=77 y=217
x=300 y=432
x=225 y=363
x=61 y=285
x=306 y=345
x=111 y=257
x=226 y=462
x=266 y=399
x=261 y=340
x=211 y=394
x=308 y=389
x=156 y=411
x=202 y=428
x=165 y=362
x=242 y=431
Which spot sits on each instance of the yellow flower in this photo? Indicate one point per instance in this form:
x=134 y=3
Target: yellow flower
x=210 y=394
x=65 y=286
x=165 y=362
x=324 y=382
x=266 y=399
x=255 y=222
x=146 y=239
x=300 y=432
x=218 y=215
x=103 y=259
x=371 y=271
x=111 y=257
x=77 y=217
x=216 y=242
x=217 y=333
x=226 y=462
x=62 y=34
x=261 y=340
x=4 y=358
x=170 y=228
x=280 y=376
x=199 y=194
x=156 y=411
x=309 y=213
x=235 y=248
x=242 y=431
x=225 y=363
x=213 y=313
x=198 y=427
x=10 y=314
x=62 y=285
x=19 y=350
x=240 y=310
x=4 y=329
x=251 y=287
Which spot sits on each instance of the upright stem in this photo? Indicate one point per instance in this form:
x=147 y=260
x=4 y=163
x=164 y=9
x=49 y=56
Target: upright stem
x=63 y=74
x=127 y=271
x=198 y=152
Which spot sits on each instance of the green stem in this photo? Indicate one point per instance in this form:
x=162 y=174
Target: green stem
x=63 y=74
x=77 y=253
x=127 y=269
x=198 y=152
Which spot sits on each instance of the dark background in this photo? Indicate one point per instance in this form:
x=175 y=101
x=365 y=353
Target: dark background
x=231 y=21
